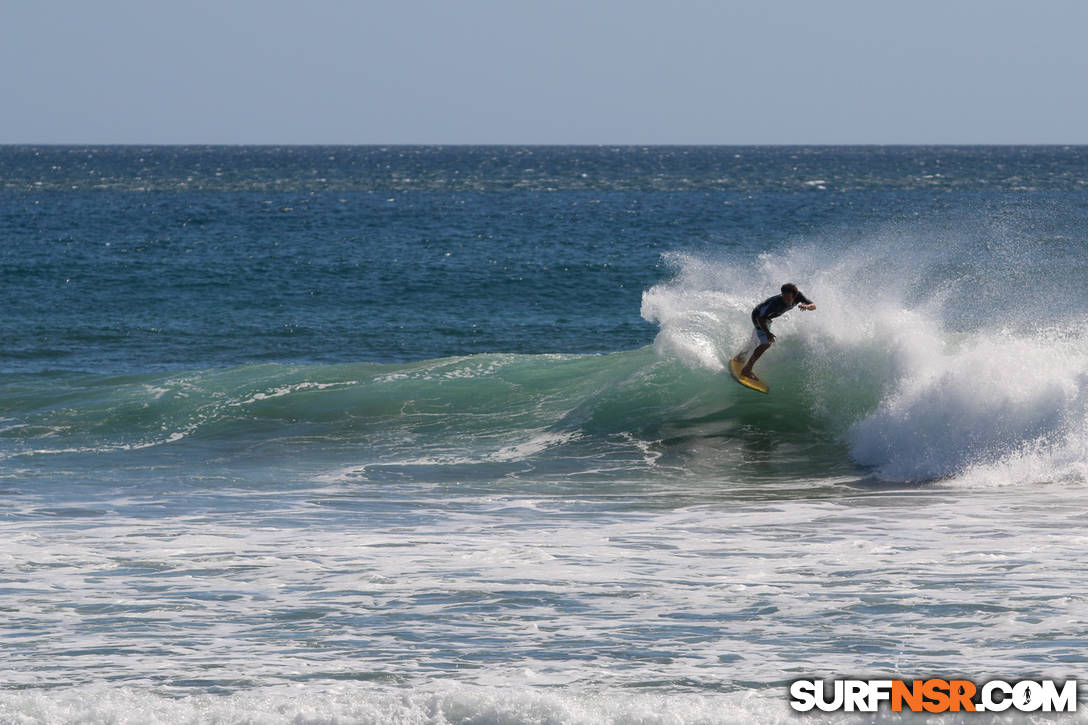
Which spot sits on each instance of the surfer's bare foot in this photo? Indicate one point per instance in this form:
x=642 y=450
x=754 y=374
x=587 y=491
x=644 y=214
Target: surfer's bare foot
x=747 y=373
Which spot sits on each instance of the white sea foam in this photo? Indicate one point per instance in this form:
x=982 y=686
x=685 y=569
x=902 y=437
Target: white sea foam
x=673 y=615
x=284 y=390
x=523 y=450
x=992 y=401
x=531 y=447
x=442 y=705
x=363 y=705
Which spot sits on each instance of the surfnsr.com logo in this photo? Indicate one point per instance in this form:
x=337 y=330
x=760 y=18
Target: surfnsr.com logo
x=934 y=695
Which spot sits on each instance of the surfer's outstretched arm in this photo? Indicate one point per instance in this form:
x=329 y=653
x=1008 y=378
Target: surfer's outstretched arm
x=804 y=302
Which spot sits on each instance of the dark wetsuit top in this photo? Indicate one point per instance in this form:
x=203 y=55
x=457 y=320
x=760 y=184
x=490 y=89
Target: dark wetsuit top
x=772 y=307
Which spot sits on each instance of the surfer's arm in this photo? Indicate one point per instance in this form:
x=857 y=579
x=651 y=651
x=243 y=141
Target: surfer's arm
x=805 y=303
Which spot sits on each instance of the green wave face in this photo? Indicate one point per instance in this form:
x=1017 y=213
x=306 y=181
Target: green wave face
x=628 y=413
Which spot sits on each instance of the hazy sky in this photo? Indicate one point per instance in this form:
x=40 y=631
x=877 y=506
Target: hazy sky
x=528 y=71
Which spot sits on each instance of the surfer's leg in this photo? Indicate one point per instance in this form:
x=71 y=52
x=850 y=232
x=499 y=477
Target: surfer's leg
x=747 y=370
x=753 y=343
x=761 y=342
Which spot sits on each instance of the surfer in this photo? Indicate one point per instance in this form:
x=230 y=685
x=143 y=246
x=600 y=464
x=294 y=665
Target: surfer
x=762 y=315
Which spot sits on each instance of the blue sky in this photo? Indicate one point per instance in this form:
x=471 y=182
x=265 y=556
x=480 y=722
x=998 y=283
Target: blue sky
x=561 y=71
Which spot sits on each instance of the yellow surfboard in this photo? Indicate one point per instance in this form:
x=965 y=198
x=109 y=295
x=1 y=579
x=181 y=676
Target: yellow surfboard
x=735 y=368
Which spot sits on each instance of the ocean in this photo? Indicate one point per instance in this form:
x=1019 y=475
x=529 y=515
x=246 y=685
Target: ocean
x=445 y=434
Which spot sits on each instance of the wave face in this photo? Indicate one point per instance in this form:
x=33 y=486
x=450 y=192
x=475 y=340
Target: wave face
x=929 y=357
x=479 y=417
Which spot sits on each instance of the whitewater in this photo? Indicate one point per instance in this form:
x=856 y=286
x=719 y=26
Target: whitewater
x=421 y=447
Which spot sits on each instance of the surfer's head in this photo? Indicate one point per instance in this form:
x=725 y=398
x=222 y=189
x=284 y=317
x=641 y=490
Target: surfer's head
x=789 y=292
